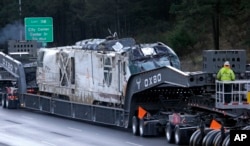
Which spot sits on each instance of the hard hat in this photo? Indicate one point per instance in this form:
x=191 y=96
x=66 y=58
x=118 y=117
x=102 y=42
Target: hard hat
x=227 y=63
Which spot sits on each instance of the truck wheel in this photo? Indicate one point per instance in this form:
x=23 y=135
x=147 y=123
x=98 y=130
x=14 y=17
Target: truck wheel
x=193 y=136
x=4 y=102
x=135 y=125
x=246 y=128
x=7 y=104
x=218 y=139
x=198 y=137
x=208 y=139
x=182 y=136
x=226 y=141
x=142 y=128
x=170 y=133
x=177 y=135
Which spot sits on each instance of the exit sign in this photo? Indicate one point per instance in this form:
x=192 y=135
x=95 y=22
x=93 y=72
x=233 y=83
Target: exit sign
x=39 y=29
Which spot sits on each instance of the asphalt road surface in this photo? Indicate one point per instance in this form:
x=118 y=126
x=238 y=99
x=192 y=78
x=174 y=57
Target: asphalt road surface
x=31 y=128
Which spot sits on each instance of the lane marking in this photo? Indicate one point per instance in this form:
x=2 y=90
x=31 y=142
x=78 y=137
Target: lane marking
x=48 y=143
x=26 y=117
x=75 y=129
x=8 y=126
x=131 y=143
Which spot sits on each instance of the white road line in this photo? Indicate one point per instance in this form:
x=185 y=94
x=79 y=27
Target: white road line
x=26 y=117
x=131 y=143
x=48 y=143
x=6 y=126
x=75 y=129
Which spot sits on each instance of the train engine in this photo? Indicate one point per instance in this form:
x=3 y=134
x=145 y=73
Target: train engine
x=96 y=71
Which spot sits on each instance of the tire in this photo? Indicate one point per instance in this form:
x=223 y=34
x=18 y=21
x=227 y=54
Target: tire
x=208 y=139
x=218 y=139
x=135 y=126
x=192 y=138
x=7 y=103
x=246 y=128
x=141 y=128
x=177 y=135
x=198 y=137
x=4 y=102
x=169 y=133
x=182 y=136
x=226 y=141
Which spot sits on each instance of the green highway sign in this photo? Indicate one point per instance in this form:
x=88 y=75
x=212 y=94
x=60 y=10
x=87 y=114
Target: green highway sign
x=38 y=21
x=39 y=29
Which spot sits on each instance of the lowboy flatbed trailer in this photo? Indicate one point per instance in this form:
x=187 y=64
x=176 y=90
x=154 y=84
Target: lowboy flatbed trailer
x=138 y=86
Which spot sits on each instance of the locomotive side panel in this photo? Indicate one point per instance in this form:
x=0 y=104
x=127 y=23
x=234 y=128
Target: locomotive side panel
x=83 y=76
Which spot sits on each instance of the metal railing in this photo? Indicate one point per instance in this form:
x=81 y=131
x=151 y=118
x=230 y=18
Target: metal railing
x=233 y=94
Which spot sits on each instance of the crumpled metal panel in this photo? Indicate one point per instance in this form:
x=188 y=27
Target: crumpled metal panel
x=96 y=74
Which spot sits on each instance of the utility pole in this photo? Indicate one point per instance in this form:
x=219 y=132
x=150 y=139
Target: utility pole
x=216 y=25
x=20 y=19
x=118 y=17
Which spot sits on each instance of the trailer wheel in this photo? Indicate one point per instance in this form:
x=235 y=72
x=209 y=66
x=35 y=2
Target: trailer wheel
x=177 y=134
x=4 y=101
x=135 y=125
x=226 y=141
x=142 y=128
x=197 y=140
x=208 y=139
x=7 y=103
x=182 y=134
x=218 y=139
x=170 y=132
x=246 y=128
x=191 y=141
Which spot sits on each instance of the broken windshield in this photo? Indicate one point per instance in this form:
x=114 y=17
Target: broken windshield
x=150 y=57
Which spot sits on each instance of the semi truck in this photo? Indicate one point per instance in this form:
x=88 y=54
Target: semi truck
x=136 y=86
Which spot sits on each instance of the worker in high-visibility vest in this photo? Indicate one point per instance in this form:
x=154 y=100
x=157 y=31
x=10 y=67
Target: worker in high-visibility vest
x=226 y=74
